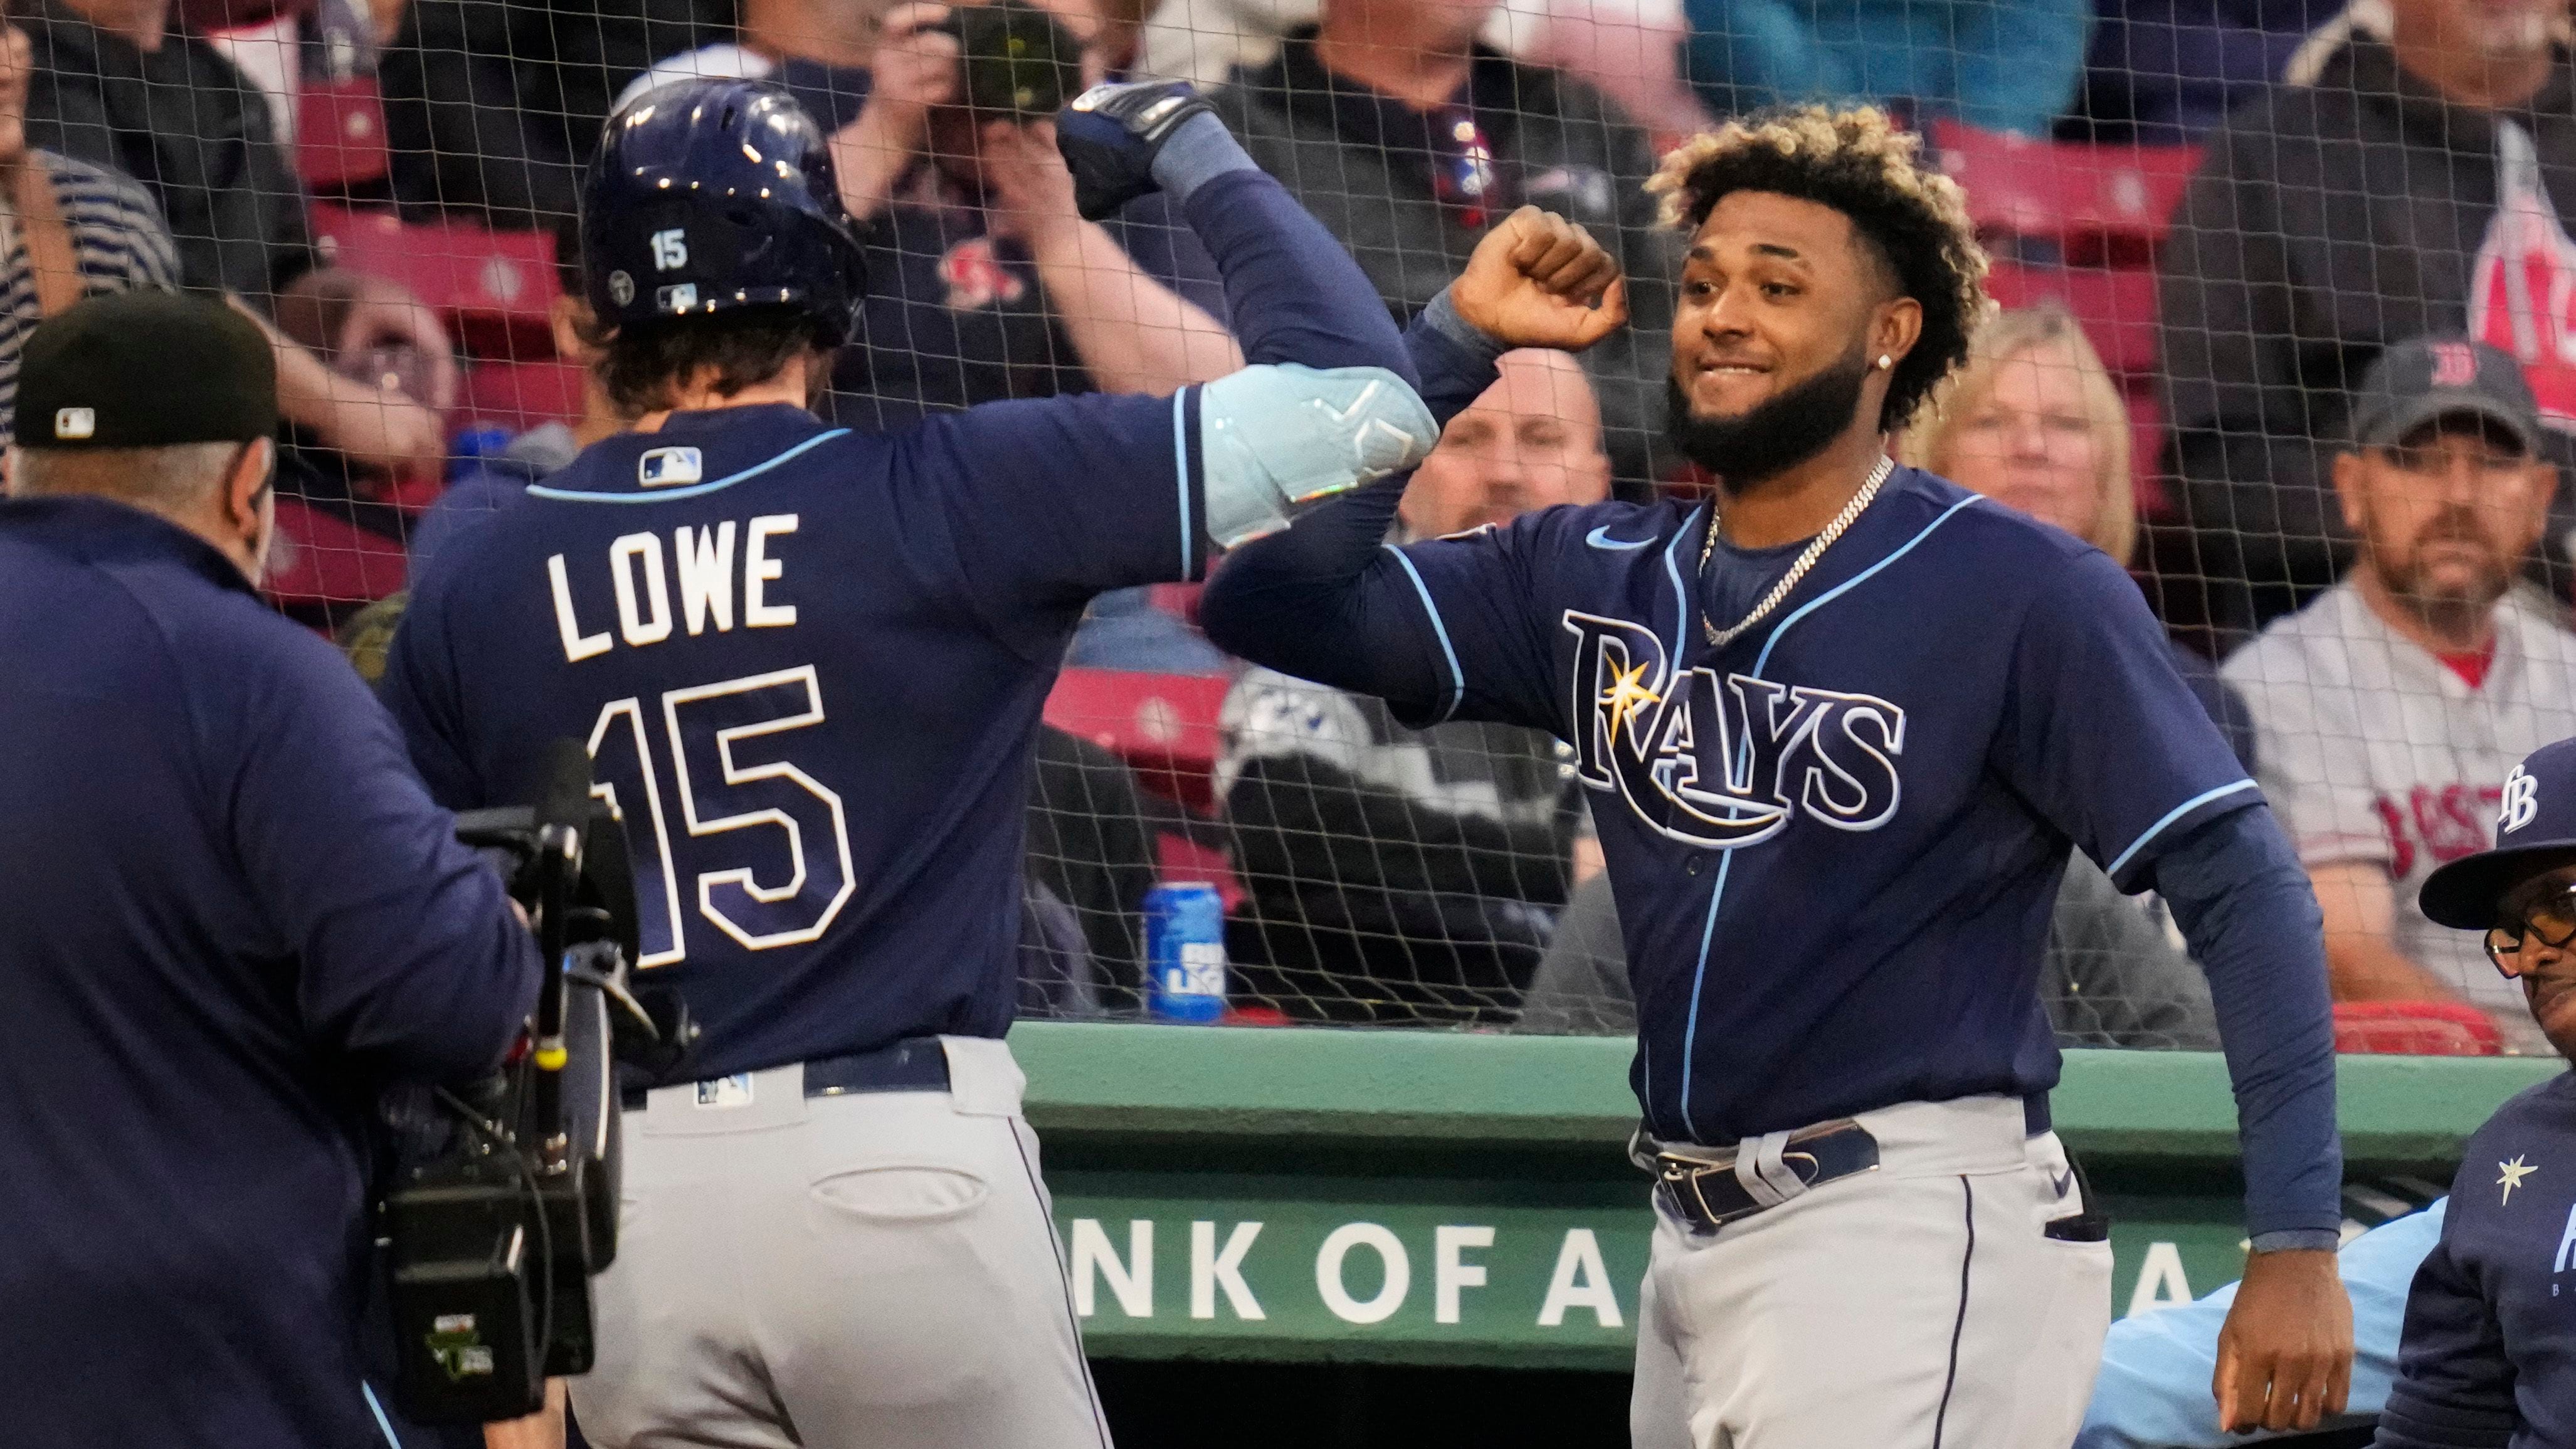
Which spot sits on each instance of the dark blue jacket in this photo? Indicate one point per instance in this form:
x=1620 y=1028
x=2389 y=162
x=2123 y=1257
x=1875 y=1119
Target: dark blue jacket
x=2488 y=1359
x=228 y=913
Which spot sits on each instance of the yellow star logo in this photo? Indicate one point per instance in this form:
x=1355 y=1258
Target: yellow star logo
x=2514 y=1172
x=1626 y=695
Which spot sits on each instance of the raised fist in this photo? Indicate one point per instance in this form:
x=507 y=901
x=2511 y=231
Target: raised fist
x=1538 y=280
x=1109 y=136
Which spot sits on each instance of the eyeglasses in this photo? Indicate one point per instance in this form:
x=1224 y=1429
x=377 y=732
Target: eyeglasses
x=2544 y=911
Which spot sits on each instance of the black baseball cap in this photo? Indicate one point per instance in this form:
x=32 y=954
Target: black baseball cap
x=2535 y=832
x=2426 y=379
x=146 y=370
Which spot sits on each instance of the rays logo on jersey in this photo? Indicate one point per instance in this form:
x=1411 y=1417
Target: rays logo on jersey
x=1725 y=762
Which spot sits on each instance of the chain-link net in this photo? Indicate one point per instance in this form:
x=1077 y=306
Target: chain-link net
x=2206 y=222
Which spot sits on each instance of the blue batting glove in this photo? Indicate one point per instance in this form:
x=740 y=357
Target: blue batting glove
x=1111 y=136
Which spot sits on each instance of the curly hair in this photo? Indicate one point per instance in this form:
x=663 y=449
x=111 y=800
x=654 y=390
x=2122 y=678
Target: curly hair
x=1857 y=162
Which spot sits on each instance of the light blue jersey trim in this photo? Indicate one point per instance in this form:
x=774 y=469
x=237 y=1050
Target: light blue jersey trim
x=1846 y=586
x=1708 y=932
x=1681 y=595
x=1181 y=470
x=695 y=490
x=1457 y=676
x=2176 y=813
x=383 y=1425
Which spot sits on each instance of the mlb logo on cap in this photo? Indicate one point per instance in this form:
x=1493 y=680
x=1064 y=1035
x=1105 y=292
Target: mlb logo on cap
x=2535 y=830
x=75 y=424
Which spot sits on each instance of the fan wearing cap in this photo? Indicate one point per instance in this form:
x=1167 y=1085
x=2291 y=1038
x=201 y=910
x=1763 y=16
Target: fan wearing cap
x=229 y=915
x=2488 y=1356
x=2387 y=709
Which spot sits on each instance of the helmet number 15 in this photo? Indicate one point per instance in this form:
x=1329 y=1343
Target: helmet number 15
x=670 y=250
x=734 y=793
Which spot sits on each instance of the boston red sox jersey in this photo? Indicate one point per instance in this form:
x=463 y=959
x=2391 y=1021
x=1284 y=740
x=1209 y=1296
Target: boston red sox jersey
x=2373 y=750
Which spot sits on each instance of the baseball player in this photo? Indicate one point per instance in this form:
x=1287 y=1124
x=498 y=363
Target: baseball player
x=808 y=663
x=1840 y=724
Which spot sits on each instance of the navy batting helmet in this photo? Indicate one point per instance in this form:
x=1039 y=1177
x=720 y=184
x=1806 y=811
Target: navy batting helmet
x=712 y=195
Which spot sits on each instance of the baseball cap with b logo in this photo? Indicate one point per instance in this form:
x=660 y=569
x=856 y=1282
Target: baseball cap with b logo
x=2426 y=379
x=2535 y=831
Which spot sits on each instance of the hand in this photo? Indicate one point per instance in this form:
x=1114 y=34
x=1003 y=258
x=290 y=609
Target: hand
x=2285 y=1356
x=543 y=1429
x=914 y=69
x=383 y=313
x=1538 y=280
x=1110 y=135
x=1031 y=191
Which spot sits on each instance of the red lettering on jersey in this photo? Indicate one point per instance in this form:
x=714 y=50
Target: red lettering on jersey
x=2401 y=851
x=2522 y=292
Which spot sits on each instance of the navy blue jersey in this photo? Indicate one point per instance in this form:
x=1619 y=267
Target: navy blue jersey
x=2489 y=1355
x=808 y=663
x=1835 y=841
x=228 y=915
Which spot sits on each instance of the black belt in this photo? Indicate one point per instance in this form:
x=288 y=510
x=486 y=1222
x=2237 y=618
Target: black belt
x=1706 y=1188
x=914 y=1064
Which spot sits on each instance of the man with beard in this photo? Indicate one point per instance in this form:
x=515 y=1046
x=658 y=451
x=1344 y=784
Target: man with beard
x=2485 y=1357
x=1840 y=725
x=2386 y=709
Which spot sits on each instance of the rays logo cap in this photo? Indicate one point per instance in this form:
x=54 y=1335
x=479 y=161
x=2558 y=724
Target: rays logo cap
x=2427 y=379
x=2535 y=832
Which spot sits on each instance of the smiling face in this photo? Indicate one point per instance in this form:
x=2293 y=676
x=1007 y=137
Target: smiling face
x=1784 y=309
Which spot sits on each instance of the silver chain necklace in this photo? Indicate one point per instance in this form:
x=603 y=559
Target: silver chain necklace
x=1720 y=638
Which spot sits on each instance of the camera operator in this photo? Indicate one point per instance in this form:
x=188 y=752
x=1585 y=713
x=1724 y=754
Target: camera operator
x=229 y=913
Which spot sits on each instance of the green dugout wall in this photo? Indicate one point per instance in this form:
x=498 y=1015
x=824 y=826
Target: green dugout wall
x=1430 y=1198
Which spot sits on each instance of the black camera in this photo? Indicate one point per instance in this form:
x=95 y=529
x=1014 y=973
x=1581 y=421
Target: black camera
x=1015 y=58
x=503 y=1200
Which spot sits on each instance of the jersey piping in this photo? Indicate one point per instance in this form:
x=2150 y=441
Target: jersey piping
x=694 y=490
x=2176 y=813
x=1457 y=676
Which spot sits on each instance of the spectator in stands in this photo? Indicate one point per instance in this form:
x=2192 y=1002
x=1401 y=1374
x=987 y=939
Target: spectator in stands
x=490 y=107
x=984 y=283
x=2388 y=710
x=121 y=85
x=79 y=230
x=2006 y=65
x=1406 y=138
x=2418 y=187
x=1145 y=630
x=1402 y=874
x=2033 y=421
x=2167 y=72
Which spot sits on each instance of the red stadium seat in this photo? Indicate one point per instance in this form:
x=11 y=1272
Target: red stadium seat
x=1186 y=862
x=493 y=286
x=324 y=561
x=2115 y=198
x=2117 y=307
x=2415 y=1028
x=518 y=395
x=340 y=133
x=1163 y=725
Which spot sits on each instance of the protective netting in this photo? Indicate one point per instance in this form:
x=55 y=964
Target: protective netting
x=2207 y=220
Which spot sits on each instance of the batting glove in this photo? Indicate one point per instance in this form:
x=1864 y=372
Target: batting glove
x=1111 y=134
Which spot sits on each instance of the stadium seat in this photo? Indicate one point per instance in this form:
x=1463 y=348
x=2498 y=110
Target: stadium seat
x=2415 y=1028
x=1186 y=862
x=2088 y=198
x=340 y=133
x=1163 y=725
x=518 y=395
x=322 y=561
x=494 y=287
x=2116 y=305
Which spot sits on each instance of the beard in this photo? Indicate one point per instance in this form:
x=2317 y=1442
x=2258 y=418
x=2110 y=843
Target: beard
x=2449 y=607
x=1774 y=435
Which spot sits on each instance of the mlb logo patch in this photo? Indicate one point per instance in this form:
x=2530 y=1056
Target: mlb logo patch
x=723 y=1092
x=669 y=467
x=678 y=297
x=73 y=424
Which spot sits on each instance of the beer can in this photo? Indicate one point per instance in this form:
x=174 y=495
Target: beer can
x=1185 y=952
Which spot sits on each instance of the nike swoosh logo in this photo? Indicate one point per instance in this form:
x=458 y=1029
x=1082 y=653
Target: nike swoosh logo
x=2064 y=1181
x=1600 y=538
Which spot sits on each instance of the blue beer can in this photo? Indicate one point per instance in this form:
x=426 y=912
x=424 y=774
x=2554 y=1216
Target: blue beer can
x=1185 y=952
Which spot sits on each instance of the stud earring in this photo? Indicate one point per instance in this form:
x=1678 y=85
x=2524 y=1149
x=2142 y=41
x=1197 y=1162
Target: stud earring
x=1885 y=362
